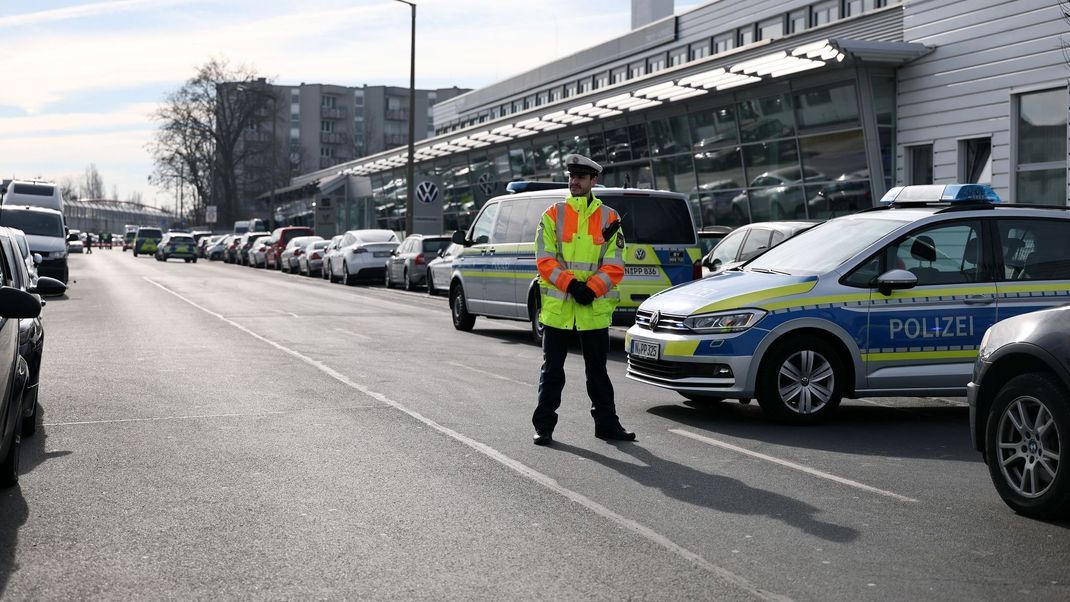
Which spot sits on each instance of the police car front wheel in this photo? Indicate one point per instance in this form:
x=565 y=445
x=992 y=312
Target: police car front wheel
x=462 y=320
x=801 y=381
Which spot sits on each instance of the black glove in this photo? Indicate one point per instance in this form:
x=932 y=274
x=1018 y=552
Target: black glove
x=580 y=292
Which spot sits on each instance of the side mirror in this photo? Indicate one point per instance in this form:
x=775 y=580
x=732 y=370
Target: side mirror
x=896 y=280
x=37 y=259
x=48 y=286
x=460 y=238
x=441 y=252
x=715 y=264
x=17 y=305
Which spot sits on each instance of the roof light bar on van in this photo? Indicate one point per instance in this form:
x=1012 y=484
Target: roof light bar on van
x=941 y=193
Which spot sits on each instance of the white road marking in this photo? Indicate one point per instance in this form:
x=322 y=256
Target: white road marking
x=190 y=417
x=635 y=527
x=490 y=374
x=289 y=313
x=810 y=471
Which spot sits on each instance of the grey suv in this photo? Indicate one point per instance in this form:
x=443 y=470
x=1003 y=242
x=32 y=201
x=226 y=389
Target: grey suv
x=1020 y=410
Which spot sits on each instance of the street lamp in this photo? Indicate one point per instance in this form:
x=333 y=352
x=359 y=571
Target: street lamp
x=410 y=201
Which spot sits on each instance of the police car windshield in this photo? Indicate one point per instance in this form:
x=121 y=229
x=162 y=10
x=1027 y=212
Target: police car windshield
x=823 y=248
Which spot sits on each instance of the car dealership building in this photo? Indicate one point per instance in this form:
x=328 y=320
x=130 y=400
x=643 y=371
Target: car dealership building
x=756 y=110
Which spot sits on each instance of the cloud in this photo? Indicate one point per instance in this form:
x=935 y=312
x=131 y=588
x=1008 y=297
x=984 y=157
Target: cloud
x=124 y=117
x=85 y=10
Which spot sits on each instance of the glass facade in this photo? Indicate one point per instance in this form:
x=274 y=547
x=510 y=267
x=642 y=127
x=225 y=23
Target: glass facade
x=796 y=154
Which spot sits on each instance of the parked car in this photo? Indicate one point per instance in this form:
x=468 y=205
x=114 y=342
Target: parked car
x=747 y=242
x=310 y=261
x=440 y=269
x=31 y=330
x=776 y=195
x=30 y=259
x=214 y=248
x=44 y=233
x=330 y=251
x=128 y=239
x=294 y=248
x=178 y=245
x=15 y=305
x=280 y=238
x=146 y=240
x=1020 y=410
x=246 y=242
x=232 y=252
x=408 y=263
x=362 y=255
x=258 y=252
x=709 y=236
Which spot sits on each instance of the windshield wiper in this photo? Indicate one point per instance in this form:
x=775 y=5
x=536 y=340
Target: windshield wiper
x=769 y=271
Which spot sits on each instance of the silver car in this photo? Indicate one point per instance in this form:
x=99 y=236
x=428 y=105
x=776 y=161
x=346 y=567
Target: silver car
x=310 y=261
x=294 y=248
x=408 y=263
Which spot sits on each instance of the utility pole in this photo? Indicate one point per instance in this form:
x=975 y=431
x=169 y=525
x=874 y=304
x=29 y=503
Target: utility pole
x=411 y=187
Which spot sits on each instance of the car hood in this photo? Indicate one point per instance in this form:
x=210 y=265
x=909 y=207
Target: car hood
x=46 y=244
x=727 y=290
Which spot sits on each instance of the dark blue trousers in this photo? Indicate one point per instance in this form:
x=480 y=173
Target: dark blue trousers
x=595 y=344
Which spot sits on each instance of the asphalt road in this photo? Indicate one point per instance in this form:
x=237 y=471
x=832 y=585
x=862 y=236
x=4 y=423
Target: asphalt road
x=213 y=431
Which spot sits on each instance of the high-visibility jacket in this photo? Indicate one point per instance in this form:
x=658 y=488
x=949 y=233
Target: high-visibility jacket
x=568 y=246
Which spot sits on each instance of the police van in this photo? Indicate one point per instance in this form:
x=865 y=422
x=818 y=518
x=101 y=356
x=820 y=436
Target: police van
x=890 y=301
x=496 y=276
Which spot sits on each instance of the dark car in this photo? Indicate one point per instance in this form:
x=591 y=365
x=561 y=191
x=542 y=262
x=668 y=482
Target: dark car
x=15 y=305
x=407 y=265
x=1020 y=410
x=245 y=243
x=31 y=330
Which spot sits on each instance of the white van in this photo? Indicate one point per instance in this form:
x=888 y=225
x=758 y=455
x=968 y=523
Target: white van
x=45 y=232
x=36 y=193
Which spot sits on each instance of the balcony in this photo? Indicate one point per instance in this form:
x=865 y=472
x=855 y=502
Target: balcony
x=333 y=112
x=334 y=138
x=397 y=114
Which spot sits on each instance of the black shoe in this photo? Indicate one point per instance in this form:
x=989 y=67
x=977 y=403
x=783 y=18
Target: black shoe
x=543 y=439
x=614 y=434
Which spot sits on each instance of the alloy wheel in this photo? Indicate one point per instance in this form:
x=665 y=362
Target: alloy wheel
x=806 y=381
x=1029 y=447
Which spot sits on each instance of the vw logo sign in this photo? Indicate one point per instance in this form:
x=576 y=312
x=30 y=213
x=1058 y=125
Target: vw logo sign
x=640 y=254
x=485 y=184
x=654 y=319
x=427 y=192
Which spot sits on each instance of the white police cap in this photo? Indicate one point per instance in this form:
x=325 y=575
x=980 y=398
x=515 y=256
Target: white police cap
x=581 y=166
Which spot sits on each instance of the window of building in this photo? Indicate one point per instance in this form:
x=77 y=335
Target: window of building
x=570 y=90
x=677 y=56
x=920 y=164
x=585 y=86
x=636 y=70
x=745 y=35
x=601 y=81
x=825 y=13
x=975 y=160
x=853 y=8
x=555 y=95
x=700 y=50
x=295 y=133
x=1040 y=147
x=327 y=151
x=771 y=29
x=827 y=106
x=542 y=98
x=657 y=64
x=327 y=102
x=326 y=126
x=724 y=43
x=798 y=20
x=618 y=75
x=358 y=98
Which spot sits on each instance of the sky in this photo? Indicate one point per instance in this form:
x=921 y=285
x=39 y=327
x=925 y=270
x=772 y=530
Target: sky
x=81 y=79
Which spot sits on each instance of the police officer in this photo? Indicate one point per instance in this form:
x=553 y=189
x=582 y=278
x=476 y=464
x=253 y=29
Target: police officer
x=579 y=250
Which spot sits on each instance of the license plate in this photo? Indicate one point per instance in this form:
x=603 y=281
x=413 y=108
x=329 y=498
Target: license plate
x=641 y=270
x=381 y=254
x=647 y=350
x=181 y=249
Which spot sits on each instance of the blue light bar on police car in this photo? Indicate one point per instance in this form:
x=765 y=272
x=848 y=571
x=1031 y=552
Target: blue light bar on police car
x=941 y=193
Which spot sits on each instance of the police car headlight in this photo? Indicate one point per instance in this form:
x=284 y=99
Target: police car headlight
x=733 y=321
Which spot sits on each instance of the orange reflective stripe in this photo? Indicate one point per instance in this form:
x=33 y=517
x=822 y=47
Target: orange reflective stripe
x=554 y=273
x=572 y=220
x=597 y=283
x=613 y=271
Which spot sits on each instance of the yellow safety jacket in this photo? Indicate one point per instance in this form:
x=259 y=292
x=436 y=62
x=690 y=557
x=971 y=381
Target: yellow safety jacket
x=569 y=245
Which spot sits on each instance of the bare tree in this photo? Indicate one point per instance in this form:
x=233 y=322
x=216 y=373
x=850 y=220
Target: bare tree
x=213 y=138
x=92 y=186
x=68 y=189
x=134 y=197
x=115 y=192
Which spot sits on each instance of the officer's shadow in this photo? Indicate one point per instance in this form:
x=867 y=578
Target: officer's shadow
x=715 y=492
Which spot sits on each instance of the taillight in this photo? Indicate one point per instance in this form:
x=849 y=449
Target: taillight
x=420 y=260
x=696 y=270
x=315 y=256
x=297 y=252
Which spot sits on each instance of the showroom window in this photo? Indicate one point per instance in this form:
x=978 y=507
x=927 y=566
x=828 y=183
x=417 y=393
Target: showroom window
x=1040 y=146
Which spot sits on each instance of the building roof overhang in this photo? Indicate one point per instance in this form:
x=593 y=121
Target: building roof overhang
x=762 y=64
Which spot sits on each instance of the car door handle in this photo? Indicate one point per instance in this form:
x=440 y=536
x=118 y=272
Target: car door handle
x=979 y=299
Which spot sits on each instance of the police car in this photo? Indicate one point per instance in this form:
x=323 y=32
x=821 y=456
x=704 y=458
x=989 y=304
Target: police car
x=891 y=301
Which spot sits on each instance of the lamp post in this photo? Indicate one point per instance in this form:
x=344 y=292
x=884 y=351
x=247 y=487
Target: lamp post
x=410 y=201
